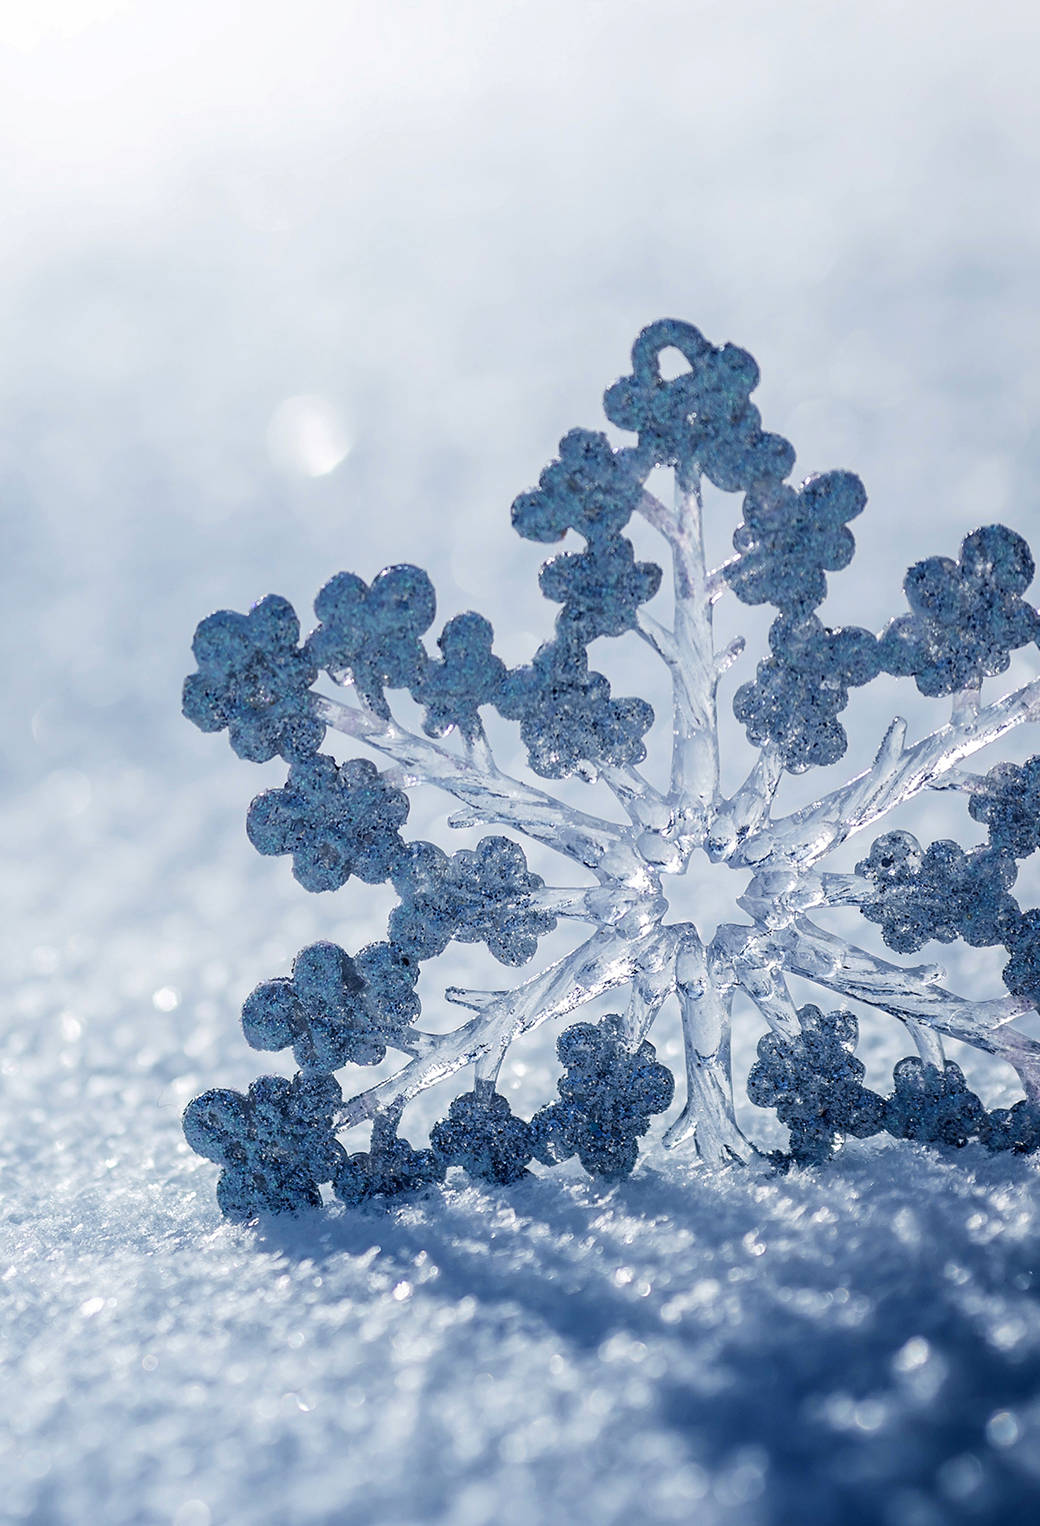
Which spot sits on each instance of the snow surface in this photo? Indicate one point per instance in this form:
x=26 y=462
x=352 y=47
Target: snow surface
x=280 y=299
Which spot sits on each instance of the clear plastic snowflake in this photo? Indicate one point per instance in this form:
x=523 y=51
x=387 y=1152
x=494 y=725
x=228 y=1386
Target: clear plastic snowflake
x=279 y=1143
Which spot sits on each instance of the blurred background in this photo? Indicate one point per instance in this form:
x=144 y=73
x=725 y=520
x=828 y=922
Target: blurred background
x=289 y=289
x=286 y=289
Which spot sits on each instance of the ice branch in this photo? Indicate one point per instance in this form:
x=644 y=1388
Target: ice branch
x=644 y=805
x=564 y=902
x=632 y=911
x=659 y=515
x=490 y=796
x=652 y=984
x=964 y=706
x=729 y=655
x=659 y=639
x=749 y=807
x=479 y=753
x=705 y=1004
x=689 y=651
x=927 y=1042
x=751 y=957
x=897 y=775
x=717 y=582
x=963 y=780
x=913 y=994
x=598 y=965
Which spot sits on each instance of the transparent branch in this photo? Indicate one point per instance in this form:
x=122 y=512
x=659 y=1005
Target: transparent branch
x=652 y=984
x=914 y=994
x=705 y=1004
x=491 y=796
x=602 y=963
x=659 y=515
x=745 y=813
x=717 y=581
x=897 y=775
x=689 y=652
x=754 y=965
x=644 y=805
x=610 y=905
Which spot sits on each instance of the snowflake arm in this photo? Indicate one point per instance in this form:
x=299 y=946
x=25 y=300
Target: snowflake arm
x=689 y=652
x=745 y=812
x=695 y=758
x=646 y=808
x=746 y=958
x=702 y=424
x=491 y=796
x=915 y=993
x=705 y=1005
x=898 y=774
x=601 y=964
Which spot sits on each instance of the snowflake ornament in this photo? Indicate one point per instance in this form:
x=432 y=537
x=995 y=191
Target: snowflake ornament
x=339 y=1010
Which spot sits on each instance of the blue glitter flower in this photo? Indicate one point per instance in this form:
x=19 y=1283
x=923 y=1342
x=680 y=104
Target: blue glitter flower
x=966 y=617
x=590 y=488
x=701 y=419
x=323 y=1011
x=799 y=691
x=931 y=1107
x=469 y=675
x=276 y=1143
x=493 y=889
x=791 y=538
x=1022 y=972
x=942 y=892
x=390 y=975
x=390 y=1169
x=567 y=717
x=1015 y=1129
x=374 y=634
x=600 y=589
x=608 y=1095
x=425 y=921
x=253 y=678
x=1008 y=803
x=481 y=895
x=815 y=1083
x=483 y=1136
x=336 y=819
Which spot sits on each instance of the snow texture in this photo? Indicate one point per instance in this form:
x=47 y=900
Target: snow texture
x=281 y=300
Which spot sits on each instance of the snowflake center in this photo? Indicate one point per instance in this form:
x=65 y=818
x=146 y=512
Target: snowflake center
x=706 y=895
